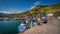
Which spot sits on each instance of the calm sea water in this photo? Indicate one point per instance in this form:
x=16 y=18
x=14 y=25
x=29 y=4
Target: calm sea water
x=9 y=27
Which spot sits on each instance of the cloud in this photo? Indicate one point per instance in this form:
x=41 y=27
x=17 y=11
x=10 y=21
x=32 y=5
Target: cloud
x=3 y=12
x=11 y=12
x=32 y=7
x=36 y=3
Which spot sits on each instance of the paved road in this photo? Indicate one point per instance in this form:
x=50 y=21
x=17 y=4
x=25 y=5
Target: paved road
x=53 y=27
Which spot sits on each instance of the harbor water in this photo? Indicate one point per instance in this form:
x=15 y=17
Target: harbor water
x=9 y=27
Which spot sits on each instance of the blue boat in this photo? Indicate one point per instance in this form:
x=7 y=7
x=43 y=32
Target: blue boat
x=20 y=29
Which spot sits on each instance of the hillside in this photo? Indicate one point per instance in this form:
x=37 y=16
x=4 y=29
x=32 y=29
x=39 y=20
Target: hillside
x=46 y=9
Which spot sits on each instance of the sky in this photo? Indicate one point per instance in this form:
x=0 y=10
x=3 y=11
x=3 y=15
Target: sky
x=18 y=6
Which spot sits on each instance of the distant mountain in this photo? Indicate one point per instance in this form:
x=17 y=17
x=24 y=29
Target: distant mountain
x=2 y=14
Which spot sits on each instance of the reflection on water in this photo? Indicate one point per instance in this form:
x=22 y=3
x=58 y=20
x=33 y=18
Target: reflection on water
x=9 y=27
